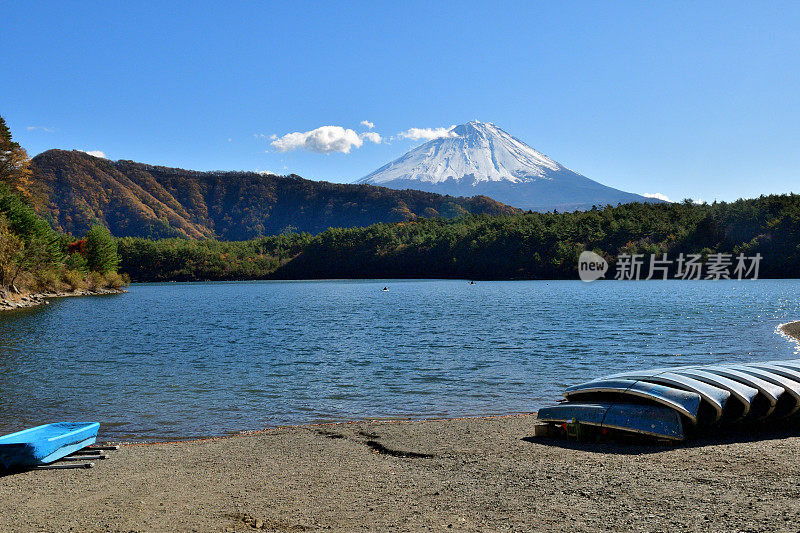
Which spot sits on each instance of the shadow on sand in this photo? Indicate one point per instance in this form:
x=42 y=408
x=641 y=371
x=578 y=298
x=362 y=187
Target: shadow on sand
x=624 y=445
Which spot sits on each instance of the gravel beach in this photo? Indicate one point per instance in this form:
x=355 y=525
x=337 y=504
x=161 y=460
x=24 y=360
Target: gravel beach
x=475 y=474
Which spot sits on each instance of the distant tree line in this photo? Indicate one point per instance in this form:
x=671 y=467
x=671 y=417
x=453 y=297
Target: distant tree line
x=524 y=246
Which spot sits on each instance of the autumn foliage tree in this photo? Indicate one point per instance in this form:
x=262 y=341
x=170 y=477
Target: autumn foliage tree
x=14 y=162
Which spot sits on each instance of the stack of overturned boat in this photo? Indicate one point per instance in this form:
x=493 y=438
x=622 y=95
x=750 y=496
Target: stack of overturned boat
x=673 y=403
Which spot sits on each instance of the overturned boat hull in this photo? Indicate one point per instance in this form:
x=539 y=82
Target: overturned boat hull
x=683 y=402
x=41 y=445
x=701 y=397
x=640 y=419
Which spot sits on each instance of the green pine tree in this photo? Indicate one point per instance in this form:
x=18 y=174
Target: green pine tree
x=101 y=250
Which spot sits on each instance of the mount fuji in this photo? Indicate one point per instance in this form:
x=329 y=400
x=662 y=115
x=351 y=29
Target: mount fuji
x=478 y=158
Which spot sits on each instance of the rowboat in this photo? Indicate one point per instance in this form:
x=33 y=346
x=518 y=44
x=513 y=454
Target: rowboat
x=744 y=395
x=714 y=398
x=770 y=392
x=791 y=387
x=41 y=445
x=642 y=419
x=684 y=402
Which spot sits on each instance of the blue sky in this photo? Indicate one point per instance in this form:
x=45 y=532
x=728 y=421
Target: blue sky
x=687 y=99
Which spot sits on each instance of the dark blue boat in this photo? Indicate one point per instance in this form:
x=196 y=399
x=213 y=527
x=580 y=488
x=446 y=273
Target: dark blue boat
x=44 y=444
x=651 y=420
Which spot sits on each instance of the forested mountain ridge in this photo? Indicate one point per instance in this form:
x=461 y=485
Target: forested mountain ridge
x=74 y=191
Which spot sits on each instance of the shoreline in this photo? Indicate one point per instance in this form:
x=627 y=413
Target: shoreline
x=13 y=301
x=470 y=474
x=462 y=474
x=791 y=330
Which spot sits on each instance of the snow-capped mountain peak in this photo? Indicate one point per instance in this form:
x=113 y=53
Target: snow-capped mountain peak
x=476 y=152
x=480 y=158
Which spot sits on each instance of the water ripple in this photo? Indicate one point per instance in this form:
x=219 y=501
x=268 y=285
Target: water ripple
x=171 y=361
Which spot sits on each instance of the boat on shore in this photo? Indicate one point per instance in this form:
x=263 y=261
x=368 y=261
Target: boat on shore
x=44 y=444
x=655 y=421
x=704 y=397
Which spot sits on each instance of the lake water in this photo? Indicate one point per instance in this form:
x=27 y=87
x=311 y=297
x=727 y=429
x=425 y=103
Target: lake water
x=184 y=360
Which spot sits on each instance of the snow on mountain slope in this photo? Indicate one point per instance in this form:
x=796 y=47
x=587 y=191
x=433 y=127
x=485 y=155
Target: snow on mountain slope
x=480 y=158
x=480 y=150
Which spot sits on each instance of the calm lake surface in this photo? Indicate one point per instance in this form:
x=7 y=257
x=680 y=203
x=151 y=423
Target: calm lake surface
x=184 y=360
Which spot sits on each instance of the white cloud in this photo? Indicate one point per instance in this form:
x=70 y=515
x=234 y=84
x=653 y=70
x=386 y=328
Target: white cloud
x=323 y=140
x=428 y=133
x=656 y=195
x=372 y=136
x=699 y=201
x=95 y=153
x=41 y=128
x=368 y=124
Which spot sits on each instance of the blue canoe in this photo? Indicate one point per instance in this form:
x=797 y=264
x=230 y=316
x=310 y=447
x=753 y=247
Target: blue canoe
x=45 y=444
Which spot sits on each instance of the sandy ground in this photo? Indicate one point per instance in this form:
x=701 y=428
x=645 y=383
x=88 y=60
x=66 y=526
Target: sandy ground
x=478 y=474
